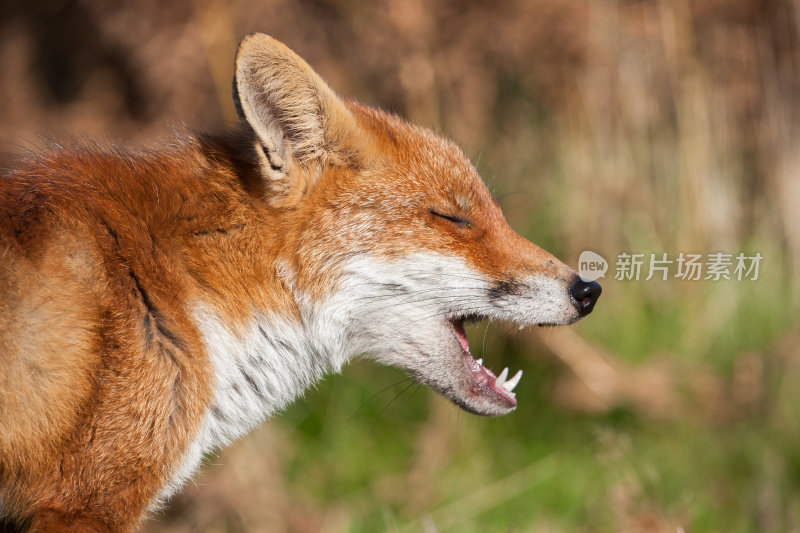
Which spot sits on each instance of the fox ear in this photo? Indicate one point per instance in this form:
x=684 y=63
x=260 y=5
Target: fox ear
x=297 y=118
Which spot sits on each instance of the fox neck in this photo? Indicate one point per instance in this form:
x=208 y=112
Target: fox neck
x=264 y=364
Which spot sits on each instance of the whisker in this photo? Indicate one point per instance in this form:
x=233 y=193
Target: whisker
x=477 y=309
x=375 y=395
x=396 y=396
x=440 y=302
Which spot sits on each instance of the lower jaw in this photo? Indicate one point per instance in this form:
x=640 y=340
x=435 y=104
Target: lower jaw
x=483 y=384
x=482 y=405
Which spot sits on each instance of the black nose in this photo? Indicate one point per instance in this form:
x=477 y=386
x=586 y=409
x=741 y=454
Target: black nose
x=584 y=295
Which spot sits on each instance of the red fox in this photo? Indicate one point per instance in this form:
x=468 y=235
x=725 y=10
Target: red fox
x=155 y=305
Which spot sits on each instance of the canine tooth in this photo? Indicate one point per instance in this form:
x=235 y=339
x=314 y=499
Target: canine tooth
x=501 y=378
x=511 y=383
x=480 y=361
x=521 y=327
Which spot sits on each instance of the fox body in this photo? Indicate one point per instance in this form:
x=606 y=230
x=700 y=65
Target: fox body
x=156 y=305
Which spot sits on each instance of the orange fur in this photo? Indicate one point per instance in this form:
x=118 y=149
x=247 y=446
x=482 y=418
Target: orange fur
x=106 y=378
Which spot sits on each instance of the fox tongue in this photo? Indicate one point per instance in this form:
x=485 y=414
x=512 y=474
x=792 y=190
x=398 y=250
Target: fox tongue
x=461 y=334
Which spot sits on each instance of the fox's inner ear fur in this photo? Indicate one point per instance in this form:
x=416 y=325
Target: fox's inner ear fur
x=297 y=118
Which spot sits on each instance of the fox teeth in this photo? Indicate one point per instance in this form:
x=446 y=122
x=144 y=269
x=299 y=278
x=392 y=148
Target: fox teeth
x=501 y=379
x=480 y=361
x=511 y=383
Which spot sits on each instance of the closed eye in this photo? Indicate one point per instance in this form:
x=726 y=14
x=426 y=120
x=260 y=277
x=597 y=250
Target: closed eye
x=455 y=220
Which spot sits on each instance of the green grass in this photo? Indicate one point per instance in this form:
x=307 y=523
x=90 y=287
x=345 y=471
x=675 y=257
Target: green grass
x=540 y=465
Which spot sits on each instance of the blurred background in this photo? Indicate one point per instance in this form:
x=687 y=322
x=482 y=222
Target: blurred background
x=612 y=126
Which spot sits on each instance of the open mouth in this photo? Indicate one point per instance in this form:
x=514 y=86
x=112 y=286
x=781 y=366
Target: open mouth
x=484 y=381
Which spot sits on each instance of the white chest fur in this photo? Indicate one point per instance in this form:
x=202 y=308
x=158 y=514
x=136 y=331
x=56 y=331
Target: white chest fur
x=256 y=373
x=261 y=370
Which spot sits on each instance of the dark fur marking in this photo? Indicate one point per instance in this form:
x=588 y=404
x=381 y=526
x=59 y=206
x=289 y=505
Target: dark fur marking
x=253 y=384
x=9 y=525
x=149 y=330
x=153 y=317
x=316 y=352
x=111 y=232
x=502 y=288
x=218 y=231
x=217 y=413
x=283 y=344
x=164 y=350
x=156 y=315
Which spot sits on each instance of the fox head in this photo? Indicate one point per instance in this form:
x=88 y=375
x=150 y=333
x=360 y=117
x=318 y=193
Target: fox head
x=394 y=241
